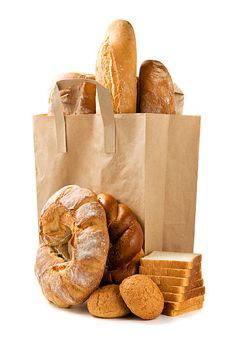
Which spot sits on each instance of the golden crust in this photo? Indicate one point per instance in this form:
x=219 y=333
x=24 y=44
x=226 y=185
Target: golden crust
x=106 y=302
x=73 y=247
x=142 y=296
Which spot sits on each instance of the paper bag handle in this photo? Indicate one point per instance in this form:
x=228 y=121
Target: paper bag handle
x=105 y=103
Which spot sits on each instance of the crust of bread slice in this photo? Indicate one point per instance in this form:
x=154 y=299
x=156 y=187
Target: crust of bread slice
x=155 y=270
x=175 y=281
x=181 y=289
x=174 y=260
x=198 y=291
x=174 y=313
x=185 y=304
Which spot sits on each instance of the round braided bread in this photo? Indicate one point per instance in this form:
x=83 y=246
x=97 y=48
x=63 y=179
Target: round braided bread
x=73 y=247
x=126 y=240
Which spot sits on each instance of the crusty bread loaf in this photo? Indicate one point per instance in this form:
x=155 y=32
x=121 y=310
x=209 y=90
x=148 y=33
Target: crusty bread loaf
x=73 y=247
x=142 y=296
x=155 y=270
x=155 y=90
x=174 y=313
x=76 y=99
x=166 y=259
x=116 y=66
x=126 y=240
x=106 y=302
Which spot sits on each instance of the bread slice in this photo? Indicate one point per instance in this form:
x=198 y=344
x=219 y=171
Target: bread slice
x=175 y=281
x=181 y=289
x=155 y=270
x=166 y=259
x=179 y=297
x=174 y=313
x=185 y=304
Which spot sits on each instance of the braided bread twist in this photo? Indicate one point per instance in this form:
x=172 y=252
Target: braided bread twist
x=126 y=240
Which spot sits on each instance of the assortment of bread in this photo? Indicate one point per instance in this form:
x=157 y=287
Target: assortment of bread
x=91 y=245
x=116 y=69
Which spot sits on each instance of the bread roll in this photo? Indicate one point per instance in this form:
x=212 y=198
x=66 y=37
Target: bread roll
x=156 y=89
x=106 y=302
x=116 y=66
x=142 y=296
x=76 y=99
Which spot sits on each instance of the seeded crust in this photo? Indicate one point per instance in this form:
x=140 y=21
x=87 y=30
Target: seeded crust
x=142 y=296
x=106 y=302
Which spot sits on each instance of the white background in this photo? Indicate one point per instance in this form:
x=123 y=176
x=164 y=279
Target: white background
x=196 y=41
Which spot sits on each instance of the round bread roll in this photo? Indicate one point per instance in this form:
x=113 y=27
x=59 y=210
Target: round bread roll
x=76 y=99
x=156 y=89
x=106 y=302
x=126 y=240
x=116 y=66
x=142 y=296
x=74 y=244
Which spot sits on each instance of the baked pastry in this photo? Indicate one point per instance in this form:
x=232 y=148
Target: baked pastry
x=156 y=89
x=116 y=66
x=76 y=99
x=126 y=240
x=142 y=296
x=74 y=244
x=106 y=302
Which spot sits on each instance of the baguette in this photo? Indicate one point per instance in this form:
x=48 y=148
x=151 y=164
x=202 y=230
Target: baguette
x=116 y=66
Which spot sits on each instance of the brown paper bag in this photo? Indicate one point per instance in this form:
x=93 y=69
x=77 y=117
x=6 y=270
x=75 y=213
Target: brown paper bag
x=148 y=161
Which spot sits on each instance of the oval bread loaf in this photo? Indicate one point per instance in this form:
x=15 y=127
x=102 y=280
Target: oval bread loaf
x=156 y=89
